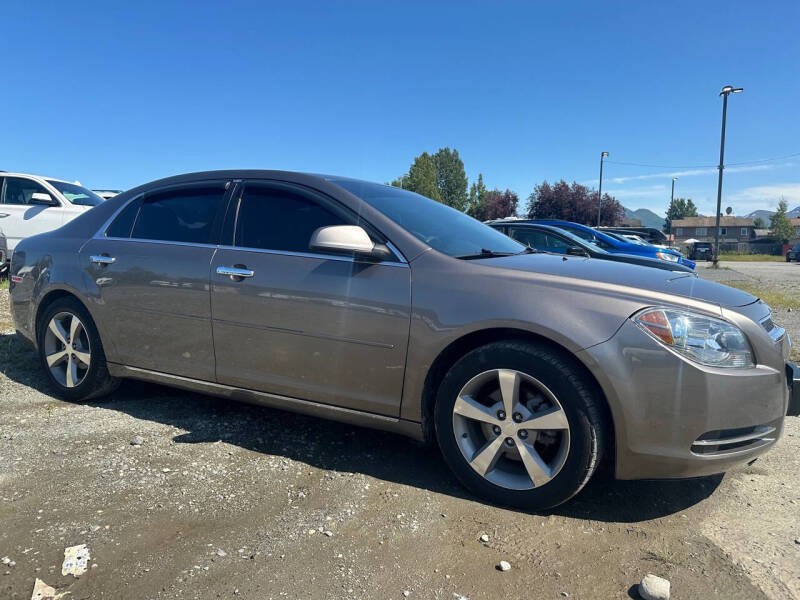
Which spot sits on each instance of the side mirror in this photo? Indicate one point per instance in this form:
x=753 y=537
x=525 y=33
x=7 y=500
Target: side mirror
x=576 y=251
x=346 y=239
x=43 y=199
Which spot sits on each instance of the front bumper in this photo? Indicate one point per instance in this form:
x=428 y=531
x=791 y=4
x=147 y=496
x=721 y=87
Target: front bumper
x=793 y=380
x=674 y=418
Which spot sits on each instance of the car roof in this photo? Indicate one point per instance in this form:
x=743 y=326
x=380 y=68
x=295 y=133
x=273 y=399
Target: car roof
x=10 y=174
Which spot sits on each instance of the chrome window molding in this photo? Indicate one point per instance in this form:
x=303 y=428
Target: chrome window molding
x=387 y=263
x=163 y=242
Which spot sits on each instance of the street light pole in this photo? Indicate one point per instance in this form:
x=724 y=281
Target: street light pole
x=728 y=89
x=672 y=194
x=600 y=189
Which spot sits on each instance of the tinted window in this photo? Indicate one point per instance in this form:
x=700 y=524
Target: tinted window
x=540 y=240
x=441 y=227
x=121 y=226
x=19 y=191
x=278 y=219
x=185 y=215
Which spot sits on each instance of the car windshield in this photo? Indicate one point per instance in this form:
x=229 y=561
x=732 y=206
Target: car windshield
x=76 y=194
x=580 y=241
x=443 y=228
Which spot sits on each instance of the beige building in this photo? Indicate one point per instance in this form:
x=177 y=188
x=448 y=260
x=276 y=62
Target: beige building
x=735 y=233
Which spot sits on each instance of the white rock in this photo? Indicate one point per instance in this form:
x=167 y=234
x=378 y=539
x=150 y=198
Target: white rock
x=221 y=553
x=653 y=587
x=484 y=538
x=328 y=533
x=406 y=594
x=504 y=565
x=137 y=440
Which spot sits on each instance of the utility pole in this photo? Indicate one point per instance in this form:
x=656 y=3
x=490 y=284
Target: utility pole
x=727 y=90
x=600 y=189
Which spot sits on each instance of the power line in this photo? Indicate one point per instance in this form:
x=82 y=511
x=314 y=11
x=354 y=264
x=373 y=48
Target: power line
x=747 y=162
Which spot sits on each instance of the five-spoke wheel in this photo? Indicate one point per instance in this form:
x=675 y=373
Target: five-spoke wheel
x=511 y=429
x=67 y=349
x=520 y=423
x=71 y=352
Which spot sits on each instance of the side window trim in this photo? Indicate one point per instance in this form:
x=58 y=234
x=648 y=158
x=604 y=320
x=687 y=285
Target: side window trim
x=139 y=198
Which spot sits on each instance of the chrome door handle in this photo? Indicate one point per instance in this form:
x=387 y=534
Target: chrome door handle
x=235 y=272
x=101 y=259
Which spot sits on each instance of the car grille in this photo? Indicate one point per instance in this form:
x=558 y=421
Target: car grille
x=725 y=441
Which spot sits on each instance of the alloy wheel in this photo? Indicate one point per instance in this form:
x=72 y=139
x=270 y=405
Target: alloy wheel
x=66 y=349
x=511 y=429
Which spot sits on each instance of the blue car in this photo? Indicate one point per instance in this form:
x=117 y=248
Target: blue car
x=615 y=245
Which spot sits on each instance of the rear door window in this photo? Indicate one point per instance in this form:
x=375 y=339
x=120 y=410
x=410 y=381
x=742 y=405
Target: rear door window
x=186 y=215
x=123 y=223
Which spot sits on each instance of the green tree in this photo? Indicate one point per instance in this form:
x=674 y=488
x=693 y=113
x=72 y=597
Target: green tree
x=421 y=178
x=477 y=195
x=679 y=208
x=451 y=179
x=759 y=223
x=780 y=227
x=438 y=176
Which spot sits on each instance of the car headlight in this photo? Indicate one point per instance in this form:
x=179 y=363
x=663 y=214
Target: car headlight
x=702 y=339
x=668 y=256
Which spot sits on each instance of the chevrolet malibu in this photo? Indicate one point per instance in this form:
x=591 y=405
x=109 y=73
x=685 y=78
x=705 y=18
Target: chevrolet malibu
x=379 y=307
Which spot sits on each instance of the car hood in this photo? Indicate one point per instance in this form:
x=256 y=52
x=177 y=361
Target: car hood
x=676 y=283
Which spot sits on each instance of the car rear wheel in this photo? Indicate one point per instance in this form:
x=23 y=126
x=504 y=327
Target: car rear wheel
x=519 y=424
x=71 y=353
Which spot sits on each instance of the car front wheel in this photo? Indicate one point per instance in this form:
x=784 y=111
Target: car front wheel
x=519 y=424
x=71 y=353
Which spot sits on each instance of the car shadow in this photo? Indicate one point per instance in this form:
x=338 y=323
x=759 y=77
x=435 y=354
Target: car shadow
x=340 y=447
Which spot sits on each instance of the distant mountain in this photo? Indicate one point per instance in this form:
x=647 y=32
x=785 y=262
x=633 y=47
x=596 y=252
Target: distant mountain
x=646 y=216
x=766 y=214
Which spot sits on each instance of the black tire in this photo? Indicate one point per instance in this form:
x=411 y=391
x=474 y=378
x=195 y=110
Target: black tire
x=97 y=381
x=578 y=397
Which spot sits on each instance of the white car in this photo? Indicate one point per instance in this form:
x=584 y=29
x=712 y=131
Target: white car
x=106 y=194
x=30 y=204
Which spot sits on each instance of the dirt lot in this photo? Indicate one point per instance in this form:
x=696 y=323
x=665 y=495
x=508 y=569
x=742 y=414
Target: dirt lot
x=225 y=500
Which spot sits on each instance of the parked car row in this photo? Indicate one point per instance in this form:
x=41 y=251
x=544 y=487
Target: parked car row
x=607 y=245
x=295 y=291
x=548 y=238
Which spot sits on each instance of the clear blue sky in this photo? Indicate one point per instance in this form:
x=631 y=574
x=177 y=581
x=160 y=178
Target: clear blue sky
x=119 y=95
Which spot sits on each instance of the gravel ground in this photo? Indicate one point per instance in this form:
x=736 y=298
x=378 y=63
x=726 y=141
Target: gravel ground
x=227 y=500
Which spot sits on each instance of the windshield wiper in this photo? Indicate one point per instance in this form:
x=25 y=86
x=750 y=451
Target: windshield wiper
x=484 y=253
